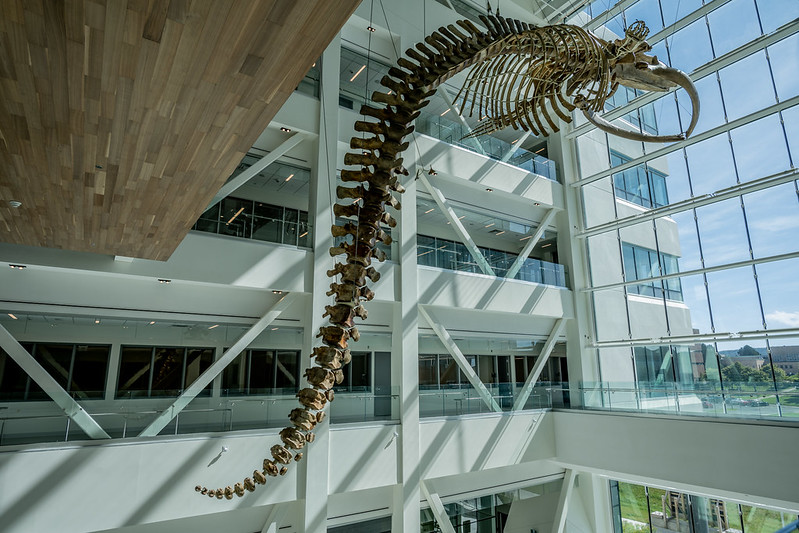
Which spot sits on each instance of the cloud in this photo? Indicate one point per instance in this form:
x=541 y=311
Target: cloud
x=784 y=318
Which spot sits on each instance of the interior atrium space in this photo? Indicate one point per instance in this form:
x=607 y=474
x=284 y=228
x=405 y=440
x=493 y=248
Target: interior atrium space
x=410 y=266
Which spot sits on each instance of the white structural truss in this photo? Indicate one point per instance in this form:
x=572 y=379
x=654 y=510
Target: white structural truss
x=467 y=240
x=55 y=391
x=461 y=361
x=530 y=244
x=543 y=357
x=219 y=365
x=437 y=507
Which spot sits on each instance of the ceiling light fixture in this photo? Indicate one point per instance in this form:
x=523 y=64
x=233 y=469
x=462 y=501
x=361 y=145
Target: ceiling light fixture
x=445 y=112
x=425 y=253
x=540 y=150
x=96 y=320
x=525 y=238
x=492 y=224
x=151 y=323
x=13 y=316
x=162 y=280
x=356 y=74
x=214 y=326
x=371 y=29
x=277 y=292
x=489 y=189
x=234 y=216
x=274 y=329
x=18 y=267
x=430 y=210
x=548 y=244
x=285 y=130
x=303 y=235
x=500 y=232
x=290 y=176
x=432 y=172
x=514 y=142
x=461 y=217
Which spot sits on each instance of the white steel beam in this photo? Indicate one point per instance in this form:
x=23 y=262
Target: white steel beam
x=530 y=244
x=757 y=115
x=228 y=188
x=543 y=357
x=562 y=509
x=682 y=340
x=459 y=358
x=605 y=16
x=442 y=203
x=440 y=514
x=686 y=273
x=218 y=366
x=515 y=146
x=697 y=201
x=275 y=518
x=451 y=105
x=42 y=378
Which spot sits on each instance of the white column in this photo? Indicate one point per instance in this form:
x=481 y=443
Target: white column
x=405 y=360
x=113 y=371
x=42 y=378
x=314 y=472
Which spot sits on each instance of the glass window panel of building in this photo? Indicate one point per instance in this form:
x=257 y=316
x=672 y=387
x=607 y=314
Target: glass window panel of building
x=733 y=211
x=156 y=371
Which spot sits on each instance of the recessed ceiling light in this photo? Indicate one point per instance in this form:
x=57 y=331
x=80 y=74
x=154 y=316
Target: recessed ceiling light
x=445 y=112
x=492 y=224
x=277 y=292
x=214 y=326
x=303 y=235
x=356 y=74
x=525 y=238
x=286 y=130
x=153 y=322
x=536 y=203
x=429 y=210
x=96 y=320
x=164 y=280
x=500 y=232
x=18 y=267
x=548 y=244
x=274 y=329
x=370 y=29
x=461 y=217
x=13 y=316
x=489 y=189
x=290 y=176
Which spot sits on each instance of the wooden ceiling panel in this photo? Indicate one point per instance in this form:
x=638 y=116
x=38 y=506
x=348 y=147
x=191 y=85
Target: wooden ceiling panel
x=120 y=120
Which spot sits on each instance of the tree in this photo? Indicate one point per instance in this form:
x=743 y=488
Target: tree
x=747 y=350
x=779 y=374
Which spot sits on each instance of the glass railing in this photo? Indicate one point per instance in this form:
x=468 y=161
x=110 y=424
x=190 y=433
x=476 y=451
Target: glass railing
x=451 y=255
x=740 y=400
x=465 y=400
x=233 y=414
x=453 y=133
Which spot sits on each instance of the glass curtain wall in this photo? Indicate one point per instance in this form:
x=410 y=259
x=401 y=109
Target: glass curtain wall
x=692 y=245
x=642 y=509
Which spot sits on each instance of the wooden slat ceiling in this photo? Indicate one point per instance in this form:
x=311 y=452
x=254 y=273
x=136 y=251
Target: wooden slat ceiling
x=119 y=120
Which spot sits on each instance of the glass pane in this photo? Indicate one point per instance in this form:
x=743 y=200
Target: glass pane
x=56 y=359
x=775 y=13
x=752 y=141
x=287 y=372
x=712 y=113
x=236 y=217
x=134 y=371
x=722 y=232
x=772 y=216
x=634 y=508
x=261 y=372
x=197 y=361
x=167 y=372
x=648 y=11
x=89 y=371
x=359 y=368
x=746 y=85
x=711 y=165
x=234 y=378
x=782 y=57
x=734 y=301
x=13 y=380
x=267 y=223
x=428 y=371
x=738 y=14
x=447 y=372
x=759 y=519
x=689 y=47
